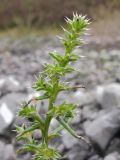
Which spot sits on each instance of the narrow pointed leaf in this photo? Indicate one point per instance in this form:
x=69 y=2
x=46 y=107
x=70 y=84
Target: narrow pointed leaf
x=71 y=131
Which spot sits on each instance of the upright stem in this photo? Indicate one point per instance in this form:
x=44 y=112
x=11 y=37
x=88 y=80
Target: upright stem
x=47 y=123
x=48 y=117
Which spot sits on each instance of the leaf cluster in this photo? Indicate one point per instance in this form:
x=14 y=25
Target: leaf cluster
x=64 y=110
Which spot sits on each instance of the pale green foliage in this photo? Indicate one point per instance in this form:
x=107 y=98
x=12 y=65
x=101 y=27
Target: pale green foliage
x=49 y=83
x=65 y=110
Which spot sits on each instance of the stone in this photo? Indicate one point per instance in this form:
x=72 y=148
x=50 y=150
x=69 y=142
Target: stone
x=114 y=145
x=108 y=96
x=9 y=106
x=18 y=48
x=79 y=152
x=37 y=134
x=103 y=129
x=26 y=156
x=89 y=112
x=9 y=149
x=113 y=156
x=81 y=98
x=86 y=124
x=2 y=150
x=68 y=140
x=61 y=148
x=10 y=84
x=13 y=101
x=95 y=157
x=54 y=124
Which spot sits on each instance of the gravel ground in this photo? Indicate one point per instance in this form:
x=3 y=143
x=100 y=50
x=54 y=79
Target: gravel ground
x=21 y=60
x=24 y=59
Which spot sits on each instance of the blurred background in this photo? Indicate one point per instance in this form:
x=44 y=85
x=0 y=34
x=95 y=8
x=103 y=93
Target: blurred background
x=28 y=31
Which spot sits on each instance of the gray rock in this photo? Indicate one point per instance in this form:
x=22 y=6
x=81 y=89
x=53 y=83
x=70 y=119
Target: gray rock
x=79 y=152
x=95 y=157
x=68 y=140
x=113 y=156
x=37 y=134
x=114 y=145
x=108 y=96
x=13 y=101
x=104 y=128
x=9 y=153
x=89 y=112
x=86 y=124
x=19 y=48
x=61 y=148
x=25 y=157
x=9 y=105
x=10 y=84
x=82 y=98
x=2 y=149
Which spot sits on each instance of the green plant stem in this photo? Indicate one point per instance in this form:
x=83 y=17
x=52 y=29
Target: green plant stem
x=48 y=117
x=47 y=124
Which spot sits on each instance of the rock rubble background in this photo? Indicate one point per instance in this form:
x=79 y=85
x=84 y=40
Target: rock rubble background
x=98 y=113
